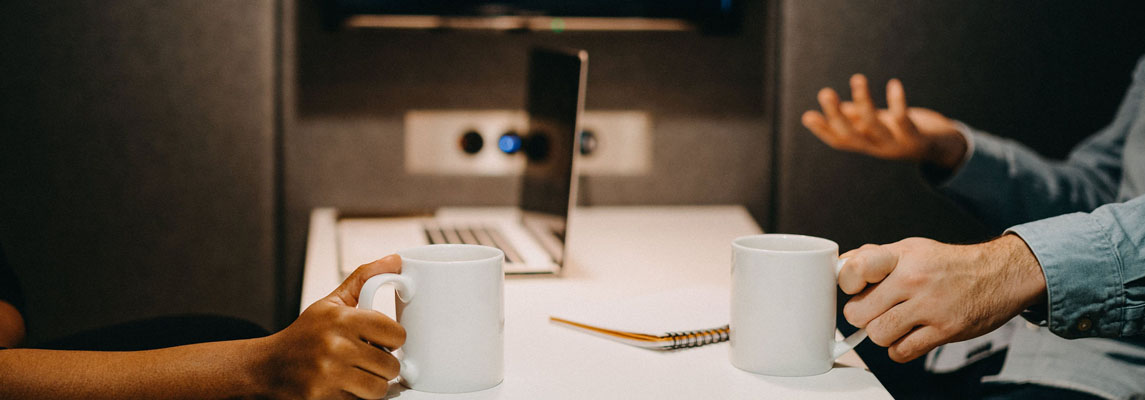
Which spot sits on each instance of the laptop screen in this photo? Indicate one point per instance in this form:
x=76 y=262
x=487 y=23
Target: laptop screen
x=555 y=100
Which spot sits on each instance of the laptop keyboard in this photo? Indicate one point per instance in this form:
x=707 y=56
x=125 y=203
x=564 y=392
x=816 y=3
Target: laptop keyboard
x=482 y=235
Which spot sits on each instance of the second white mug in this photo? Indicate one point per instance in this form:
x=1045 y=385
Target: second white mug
x=451 y=304
x=783 y=305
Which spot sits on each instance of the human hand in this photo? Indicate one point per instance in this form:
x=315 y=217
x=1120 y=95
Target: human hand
x=917 y=294
x=334 y=350
x=896 y=133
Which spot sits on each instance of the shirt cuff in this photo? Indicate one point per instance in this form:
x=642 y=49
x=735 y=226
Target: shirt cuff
x=985 y=161
x=938 y=176
x=1082 y=272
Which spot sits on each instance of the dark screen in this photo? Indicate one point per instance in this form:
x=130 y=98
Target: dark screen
x=554 y=101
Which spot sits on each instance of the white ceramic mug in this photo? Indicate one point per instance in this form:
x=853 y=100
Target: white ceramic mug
x=783 y=305
x=451 y=304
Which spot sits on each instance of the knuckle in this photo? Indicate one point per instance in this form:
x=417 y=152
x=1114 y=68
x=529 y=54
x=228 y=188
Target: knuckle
x=341 y=316
x=324 y=367
x=913 y=279
x=856 y=263
x=333 y=344
x=916 y=241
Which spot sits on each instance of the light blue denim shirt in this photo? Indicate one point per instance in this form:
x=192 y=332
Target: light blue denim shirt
x=1084 y=219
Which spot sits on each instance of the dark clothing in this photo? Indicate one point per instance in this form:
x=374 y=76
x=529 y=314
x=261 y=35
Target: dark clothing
x=9 y=287
x=1026 y=391
x=145 y=334
x=160 y=332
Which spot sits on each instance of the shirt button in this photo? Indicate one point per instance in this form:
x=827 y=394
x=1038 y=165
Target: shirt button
x=1084 y=324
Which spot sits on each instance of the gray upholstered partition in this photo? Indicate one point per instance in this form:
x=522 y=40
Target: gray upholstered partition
x=1045 y=74
x=136 y=169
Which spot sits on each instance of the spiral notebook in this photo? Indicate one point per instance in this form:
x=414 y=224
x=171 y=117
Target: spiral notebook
x=669 y=320
x=662 y=341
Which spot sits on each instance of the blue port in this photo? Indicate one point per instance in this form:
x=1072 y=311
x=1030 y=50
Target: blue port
x=509 y=143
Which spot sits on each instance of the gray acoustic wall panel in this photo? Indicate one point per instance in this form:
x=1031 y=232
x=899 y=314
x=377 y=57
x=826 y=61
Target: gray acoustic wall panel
x=136 y=169
x=1047 y=74
x=347 y=92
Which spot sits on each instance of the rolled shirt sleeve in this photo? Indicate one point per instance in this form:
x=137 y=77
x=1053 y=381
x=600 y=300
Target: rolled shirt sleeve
x=1083 y=217
x=1007 y=184
x=1094 y=265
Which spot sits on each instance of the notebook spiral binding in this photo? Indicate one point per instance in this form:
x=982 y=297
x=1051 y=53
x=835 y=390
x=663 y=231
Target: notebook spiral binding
x=666 y=341
x=687 y=339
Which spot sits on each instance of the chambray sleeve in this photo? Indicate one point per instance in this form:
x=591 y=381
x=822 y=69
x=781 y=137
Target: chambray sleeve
x=1006 y=183
x=1090 y=248
x=1094 y=265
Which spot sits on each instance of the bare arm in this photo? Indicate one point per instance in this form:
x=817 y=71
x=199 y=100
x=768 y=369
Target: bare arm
x=206 y=370
x=331 y=351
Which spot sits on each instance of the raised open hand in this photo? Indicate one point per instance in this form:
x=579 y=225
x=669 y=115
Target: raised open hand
x=895 y=133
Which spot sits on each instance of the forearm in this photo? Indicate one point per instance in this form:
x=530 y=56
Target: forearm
x=1006 y=183
x=200 y=371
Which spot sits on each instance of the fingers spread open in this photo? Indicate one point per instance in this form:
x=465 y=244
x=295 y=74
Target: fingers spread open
x=817 y=124
x=861 y=95
x=896 y=98
x=829 y=101
x=867 y=121
x=896 y=104
x=851 y=111
x=866 y=265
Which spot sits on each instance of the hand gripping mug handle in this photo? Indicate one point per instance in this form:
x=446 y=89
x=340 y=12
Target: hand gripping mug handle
x=849 y=342
x=406 y=289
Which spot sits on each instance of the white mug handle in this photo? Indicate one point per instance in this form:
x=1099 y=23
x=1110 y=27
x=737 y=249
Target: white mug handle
x=405 y=289
x=849 y=342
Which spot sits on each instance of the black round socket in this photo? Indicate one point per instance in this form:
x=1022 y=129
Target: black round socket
x=472 y=142
x=588 y=142
x=536 y=146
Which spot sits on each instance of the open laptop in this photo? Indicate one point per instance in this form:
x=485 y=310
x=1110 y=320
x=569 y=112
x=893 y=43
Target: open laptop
x=531 y=235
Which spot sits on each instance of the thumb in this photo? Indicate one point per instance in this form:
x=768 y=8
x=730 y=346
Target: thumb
x=347 y=293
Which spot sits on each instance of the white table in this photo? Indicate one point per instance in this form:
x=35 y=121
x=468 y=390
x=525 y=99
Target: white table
x=615 y=254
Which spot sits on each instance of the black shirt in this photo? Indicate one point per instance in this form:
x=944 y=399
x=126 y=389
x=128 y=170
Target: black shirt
x=9 y=287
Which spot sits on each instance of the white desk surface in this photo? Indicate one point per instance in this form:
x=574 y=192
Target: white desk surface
x=616 y=254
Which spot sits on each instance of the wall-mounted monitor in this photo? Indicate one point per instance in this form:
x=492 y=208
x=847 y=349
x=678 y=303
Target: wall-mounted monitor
x=710 y=16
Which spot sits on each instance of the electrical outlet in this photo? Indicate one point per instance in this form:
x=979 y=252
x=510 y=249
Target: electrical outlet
x=624 y=143
x=434 y=142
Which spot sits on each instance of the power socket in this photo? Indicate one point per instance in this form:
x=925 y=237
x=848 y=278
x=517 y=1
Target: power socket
x=433 y=142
